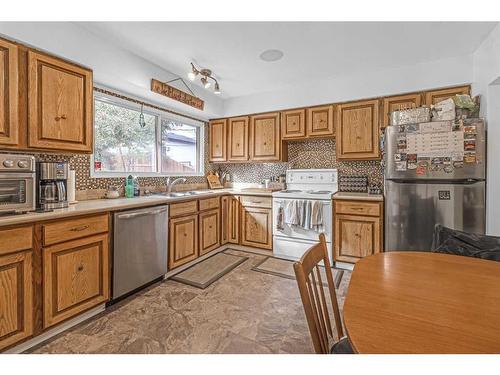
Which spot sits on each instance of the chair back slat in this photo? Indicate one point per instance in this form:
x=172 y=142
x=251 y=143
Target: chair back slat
x=312 y=293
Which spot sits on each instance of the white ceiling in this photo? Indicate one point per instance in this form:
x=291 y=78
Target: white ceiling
x=312 y=50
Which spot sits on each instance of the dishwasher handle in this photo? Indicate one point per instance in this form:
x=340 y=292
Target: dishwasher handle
x=139 y=214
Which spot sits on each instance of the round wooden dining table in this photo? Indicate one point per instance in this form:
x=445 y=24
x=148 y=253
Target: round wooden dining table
x=422 y=302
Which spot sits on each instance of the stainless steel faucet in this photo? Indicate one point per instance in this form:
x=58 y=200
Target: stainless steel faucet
x=172 y=183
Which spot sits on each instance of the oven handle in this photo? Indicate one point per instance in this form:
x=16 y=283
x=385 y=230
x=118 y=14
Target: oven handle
x=325 y=203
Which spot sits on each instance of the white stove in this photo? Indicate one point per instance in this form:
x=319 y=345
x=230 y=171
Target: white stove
x=312 y=185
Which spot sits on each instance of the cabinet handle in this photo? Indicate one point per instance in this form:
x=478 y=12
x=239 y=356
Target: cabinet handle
x=79 y=229
x=80 y=268
x=357 y=235
x=62 y=117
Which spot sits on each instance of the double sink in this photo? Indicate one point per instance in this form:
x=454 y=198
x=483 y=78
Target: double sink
x=184 y=193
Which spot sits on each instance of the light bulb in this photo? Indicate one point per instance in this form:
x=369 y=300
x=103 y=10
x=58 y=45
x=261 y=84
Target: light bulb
x=205 y=82
x=191 y=76
x=217 y=89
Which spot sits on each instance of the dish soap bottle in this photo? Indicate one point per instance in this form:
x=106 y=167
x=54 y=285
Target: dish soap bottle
x=129 y=187
x=137 y=187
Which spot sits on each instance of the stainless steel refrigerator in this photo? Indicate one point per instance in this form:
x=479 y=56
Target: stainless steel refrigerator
x=434 y=174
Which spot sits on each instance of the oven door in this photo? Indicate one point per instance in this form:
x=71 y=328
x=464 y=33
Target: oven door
x=292 y=231
x=17 y=192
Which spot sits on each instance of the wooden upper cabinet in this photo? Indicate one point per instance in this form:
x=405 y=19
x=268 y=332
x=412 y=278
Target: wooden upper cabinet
x=265 y=141
x=237 y=142
x=218 y=132
x=436 y=96
x=398 y=103
x=293 y=124
x=60 y=102
x=358 y=131
x=320 y=121
x=9 y=125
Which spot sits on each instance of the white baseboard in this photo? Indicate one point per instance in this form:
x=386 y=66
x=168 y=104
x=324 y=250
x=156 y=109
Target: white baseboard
x=55 y=331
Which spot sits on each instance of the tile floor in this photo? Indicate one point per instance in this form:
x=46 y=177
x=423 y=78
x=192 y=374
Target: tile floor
x=243 y=312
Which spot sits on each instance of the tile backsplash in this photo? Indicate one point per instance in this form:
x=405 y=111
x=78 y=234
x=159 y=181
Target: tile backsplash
x=318 y=153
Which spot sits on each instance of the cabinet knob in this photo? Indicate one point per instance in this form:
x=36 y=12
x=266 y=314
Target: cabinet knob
x=62 y=117
x=80 y=268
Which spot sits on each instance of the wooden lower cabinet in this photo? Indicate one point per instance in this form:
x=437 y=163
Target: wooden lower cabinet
x=357 y=235
x=183 y=240
x=209 y=231
x=16 y=297
x=256 y=227
x=230 y=220
x=75 y=277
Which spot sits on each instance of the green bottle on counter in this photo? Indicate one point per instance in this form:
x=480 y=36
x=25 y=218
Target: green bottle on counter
x=129 y=187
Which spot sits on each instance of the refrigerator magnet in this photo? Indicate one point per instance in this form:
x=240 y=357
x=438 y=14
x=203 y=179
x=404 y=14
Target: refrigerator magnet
x=457 y=156
x=458 y=164
x=470 y=145
x=470 y=157
x=411 y=165
x=470 y=129
x=421 y=169
x=401 y=166
x=397 y=157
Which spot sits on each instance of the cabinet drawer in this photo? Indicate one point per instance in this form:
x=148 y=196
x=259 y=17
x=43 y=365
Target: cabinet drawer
x=184 y=208
x=66 y=230
x=357 y=208
x=17 y=239
x=207 y=204
x=254 y=201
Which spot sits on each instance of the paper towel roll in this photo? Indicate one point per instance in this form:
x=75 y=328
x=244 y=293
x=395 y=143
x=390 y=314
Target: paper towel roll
x=71 y=186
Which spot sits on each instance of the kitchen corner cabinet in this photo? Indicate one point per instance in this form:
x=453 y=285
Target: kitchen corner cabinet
x=358 y=230
x=320 y=121
x=256 y=222
x=293 y=124
x=358 y=131
x=398 y=103
x=265 y=139
x=9 y=125
x=60 y=115
x=237 y=139
x=217 y=136
x=230 y=220
x=16 y=290
x=436 y=96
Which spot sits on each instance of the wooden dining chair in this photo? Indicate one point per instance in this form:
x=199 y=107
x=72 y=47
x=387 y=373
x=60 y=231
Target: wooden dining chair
x=312 y=293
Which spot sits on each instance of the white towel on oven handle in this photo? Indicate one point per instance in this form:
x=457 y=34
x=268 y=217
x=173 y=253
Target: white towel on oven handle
x=317 y=216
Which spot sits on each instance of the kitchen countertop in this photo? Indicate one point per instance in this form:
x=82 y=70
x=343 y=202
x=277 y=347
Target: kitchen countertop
x=105 y=205
x=358 y=196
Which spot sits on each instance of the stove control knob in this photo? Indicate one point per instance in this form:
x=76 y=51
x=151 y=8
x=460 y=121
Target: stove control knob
x=22 y=164
x=8 y=163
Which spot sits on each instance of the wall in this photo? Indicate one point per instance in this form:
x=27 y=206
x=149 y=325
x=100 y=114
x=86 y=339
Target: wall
x=486 y=72
x=431 y=75
x=113 y=67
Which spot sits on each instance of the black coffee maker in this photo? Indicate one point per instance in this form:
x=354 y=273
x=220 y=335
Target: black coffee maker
x=52 y=185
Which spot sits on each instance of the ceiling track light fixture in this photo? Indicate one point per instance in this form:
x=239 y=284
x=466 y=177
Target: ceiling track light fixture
x=206 y=75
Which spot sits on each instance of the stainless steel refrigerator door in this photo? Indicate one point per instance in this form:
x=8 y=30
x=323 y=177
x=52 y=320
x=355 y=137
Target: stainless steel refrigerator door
x=469 y=170
x=412 y=210
x=140 y=248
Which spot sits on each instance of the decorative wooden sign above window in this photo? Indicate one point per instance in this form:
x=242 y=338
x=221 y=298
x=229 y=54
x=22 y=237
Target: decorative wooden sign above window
x=176 y=94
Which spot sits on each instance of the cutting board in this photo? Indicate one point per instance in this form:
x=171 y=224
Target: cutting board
x=214 y=182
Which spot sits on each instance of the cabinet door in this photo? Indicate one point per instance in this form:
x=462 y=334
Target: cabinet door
x=75 y=277
x=356 y=237
x=256 y=227
x=16 y=298
x=320 y=121
x=237 y=143
x=265 y=137
x=293 y=124
x=217 y=131
x=398 y=103
x=60 y=104
x=183 y=240
x=436 y=96
x=9 y=126
x=358 y=131
x=230 y=220
x=209 y=231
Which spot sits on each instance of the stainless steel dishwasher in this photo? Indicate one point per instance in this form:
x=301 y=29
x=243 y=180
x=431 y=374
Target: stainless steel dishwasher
x=140 y=249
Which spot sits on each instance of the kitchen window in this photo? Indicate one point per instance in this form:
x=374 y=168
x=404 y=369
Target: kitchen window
x=167 y=145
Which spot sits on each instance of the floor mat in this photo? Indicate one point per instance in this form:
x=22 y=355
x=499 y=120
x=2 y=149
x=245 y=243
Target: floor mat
x=211 y=269
x=284 y=268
